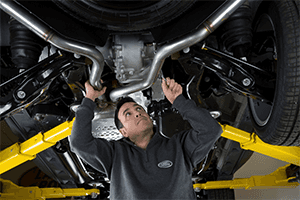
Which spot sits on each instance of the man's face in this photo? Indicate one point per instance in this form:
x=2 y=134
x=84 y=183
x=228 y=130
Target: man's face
x=135 y=120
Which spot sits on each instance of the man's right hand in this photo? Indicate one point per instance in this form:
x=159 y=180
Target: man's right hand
x=171 y=89
x=91 y=93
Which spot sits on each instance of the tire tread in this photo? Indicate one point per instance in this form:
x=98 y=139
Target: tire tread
x=284 y=125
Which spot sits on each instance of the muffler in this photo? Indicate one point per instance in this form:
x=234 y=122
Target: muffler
x=214 y=21
x=22 y=15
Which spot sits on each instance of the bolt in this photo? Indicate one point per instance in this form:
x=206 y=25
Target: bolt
x=21 y=94
x=39 y=117
x=246 y=82
x=94 y=195
x=186 y=50
x=65 y=86
x=76 y=55
x=206 y=79
x=244 y=58
x=119 y=76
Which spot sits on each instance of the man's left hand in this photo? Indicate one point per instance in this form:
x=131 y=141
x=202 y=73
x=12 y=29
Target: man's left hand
x=171 y=89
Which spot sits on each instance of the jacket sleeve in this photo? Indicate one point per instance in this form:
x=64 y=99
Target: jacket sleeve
x=205 y=131
x=96 y=152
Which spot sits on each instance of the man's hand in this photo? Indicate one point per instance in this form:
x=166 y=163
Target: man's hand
x=91 y=93
x=171 y=89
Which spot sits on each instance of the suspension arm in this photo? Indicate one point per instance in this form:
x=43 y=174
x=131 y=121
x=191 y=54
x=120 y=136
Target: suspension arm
x=36 y=83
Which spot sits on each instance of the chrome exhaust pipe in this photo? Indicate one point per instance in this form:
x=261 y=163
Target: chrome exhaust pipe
x=16 y=11
x=214 y=21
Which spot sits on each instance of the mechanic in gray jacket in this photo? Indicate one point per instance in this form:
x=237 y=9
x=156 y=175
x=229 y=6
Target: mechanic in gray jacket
x=144 y=164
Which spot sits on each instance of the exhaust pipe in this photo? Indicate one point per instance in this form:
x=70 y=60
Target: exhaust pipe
x=215 y=20
x=22 y=15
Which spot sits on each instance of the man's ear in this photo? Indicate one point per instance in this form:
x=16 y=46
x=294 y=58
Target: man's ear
x=123 y=131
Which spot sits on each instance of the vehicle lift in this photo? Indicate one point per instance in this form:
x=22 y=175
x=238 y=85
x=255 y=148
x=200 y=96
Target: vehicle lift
x=286 y=176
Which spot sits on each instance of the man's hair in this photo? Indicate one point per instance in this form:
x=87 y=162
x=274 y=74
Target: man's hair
x=124 y=100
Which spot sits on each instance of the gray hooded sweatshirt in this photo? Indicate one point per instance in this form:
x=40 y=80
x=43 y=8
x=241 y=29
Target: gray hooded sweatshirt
x=163 y=170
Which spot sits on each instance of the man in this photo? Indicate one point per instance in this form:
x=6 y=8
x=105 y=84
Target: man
x=146 y=165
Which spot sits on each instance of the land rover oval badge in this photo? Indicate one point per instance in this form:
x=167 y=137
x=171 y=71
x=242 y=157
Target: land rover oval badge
x=165 y=164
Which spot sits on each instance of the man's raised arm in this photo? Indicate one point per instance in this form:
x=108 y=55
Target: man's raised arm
x=96 y=152
x=205 y=129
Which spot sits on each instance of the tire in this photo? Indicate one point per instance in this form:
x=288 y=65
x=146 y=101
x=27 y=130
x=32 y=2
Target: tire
x=220 y=194
x=279 y=123
x=124 y=15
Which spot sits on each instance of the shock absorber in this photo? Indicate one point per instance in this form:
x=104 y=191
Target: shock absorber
x=237 y=31
x=26 y=46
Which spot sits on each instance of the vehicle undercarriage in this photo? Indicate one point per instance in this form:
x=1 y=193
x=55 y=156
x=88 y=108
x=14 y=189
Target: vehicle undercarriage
x=238 y=59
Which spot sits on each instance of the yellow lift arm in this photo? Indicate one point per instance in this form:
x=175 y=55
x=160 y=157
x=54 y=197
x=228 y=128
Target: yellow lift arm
x=278 y=178
x=250 y=141
x=10 y=191
x=20 y=153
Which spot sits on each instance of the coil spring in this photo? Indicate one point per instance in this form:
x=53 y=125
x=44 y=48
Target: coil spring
x=237 y=31
x=26 y=47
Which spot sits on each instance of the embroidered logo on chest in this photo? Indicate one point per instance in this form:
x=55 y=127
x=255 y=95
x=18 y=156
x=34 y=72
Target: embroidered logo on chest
x=165 y=164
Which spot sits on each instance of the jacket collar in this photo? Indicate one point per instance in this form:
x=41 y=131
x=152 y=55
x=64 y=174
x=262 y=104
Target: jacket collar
x=156 y=135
